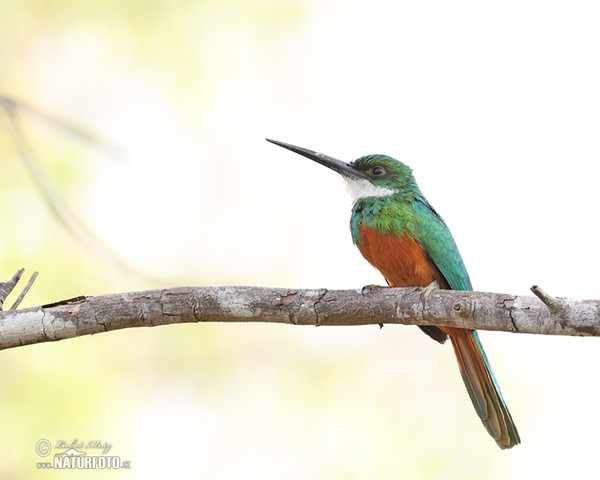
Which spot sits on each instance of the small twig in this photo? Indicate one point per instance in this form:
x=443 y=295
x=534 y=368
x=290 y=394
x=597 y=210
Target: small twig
x=7 y=287
x=557 y=307
x=543 y=296
x=24 y=292
x=552 y=303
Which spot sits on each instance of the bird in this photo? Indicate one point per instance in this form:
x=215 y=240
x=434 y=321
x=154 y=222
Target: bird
x=398 y=232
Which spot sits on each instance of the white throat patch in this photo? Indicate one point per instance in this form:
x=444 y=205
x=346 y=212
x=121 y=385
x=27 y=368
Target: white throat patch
x=362 y=188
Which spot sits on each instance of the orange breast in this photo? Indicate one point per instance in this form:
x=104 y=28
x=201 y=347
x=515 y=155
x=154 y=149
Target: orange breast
x=401 y=260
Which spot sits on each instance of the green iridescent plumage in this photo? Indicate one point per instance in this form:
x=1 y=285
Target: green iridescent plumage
x=407 y=211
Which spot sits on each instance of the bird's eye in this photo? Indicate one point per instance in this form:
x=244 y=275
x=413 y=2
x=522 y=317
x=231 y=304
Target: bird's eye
x=377 y=171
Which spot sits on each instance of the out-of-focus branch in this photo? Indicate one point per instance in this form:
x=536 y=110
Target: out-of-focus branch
x=55 y=202
x=11 y=106
x=321 y=307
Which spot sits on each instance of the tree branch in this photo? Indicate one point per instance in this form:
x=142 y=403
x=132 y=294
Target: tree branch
x=484 y=311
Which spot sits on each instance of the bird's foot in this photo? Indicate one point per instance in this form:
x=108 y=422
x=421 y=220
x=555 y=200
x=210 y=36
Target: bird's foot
x=370 y=288
x=428 y=290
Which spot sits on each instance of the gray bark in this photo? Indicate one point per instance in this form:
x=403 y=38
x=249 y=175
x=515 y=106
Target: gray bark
x=478 y=310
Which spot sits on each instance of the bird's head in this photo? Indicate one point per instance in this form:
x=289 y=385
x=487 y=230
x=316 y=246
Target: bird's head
x=368 y=176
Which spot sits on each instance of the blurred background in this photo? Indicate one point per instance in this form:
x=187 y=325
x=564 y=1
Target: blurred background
x=494 y=105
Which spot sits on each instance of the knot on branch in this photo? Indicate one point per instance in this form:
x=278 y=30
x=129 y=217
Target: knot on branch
x=463 y=310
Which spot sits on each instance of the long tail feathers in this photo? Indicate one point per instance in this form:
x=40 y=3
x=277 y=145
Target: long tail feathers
x=483 y=388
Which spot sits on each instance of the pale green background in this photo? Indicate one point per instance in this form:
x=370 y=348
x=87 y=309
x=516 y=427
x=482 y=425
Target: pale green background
x=495 y=105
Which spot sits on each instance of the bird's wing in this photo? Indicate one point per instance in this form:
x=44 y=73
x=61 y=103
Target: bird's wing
x=439 y=246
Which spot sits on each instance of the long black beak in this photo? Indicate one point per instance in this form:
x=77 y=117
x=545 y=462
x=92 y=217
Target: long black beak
x=342 y=168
